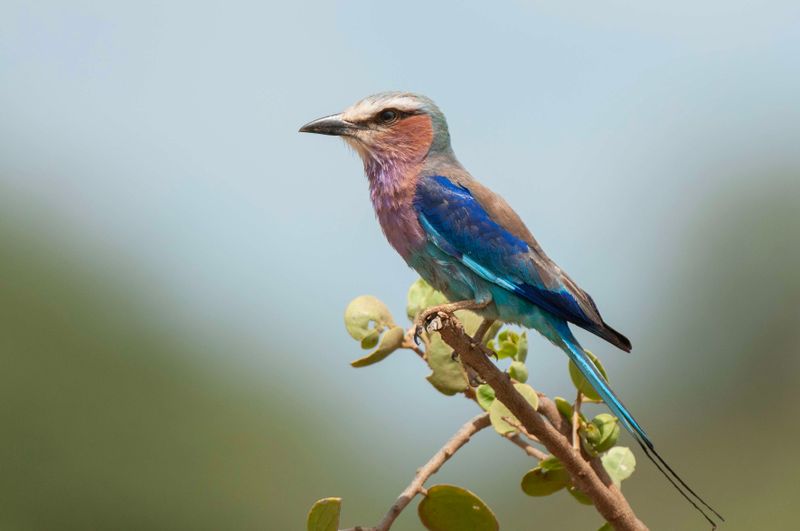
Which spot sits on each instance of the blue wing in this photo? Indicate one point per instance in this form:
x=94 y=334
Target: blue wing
x=460 y=226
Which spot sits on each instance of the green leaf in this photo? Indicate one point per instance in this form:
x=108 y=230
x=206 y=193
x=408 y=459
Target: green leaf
x=602 y=432
x=363 y=311
x=551 y=463
x=506 y=349
x=563 y=407
x=620 y=463
x=448 y=375
x=581 y=384
x=509 y=344
x=390 y=341
x=579 y=496
x=606 y=527
x=547 y=478
x=492 y=332
x=484 y=394
x=518 y=371
x=324 y=515
x=451 y=508
x=470 y=320
x=371 y=339
x=421 y=296
x=498 y=411
x=522 y=347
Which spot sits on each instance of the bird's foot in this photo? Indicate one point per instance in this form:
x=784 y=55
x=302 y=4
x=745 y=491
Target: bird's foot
x=428 y=322
x=430 y=319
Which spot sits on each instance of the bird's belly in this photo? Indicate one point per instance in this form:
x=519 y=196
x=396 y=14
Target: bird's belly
x=448 y=275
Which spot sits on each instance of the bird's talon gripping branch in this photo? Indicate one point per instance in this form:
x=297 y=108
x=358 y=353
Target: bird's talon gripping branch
x=435 y=323
x=430 y=319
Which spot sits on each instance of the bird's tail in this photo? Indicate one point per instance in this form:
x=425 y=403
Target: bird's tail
x=589 y=371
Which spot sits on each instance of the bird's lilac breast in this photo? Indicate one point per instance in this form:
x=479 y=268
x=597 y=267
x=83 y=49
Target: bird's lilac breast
x=400 y=223
x=392 y=191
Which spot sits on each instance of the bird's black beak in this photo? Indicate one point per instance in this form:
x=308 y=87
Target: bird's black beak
x=333 y=125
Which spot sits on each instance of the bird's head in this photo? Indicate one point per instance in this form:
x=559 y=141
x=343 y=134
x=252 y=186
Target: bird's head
x=388 y=128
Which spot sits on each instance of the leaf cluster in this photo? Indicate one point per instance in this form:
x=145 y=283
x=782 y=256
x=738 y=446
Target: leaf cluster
x=449 y=507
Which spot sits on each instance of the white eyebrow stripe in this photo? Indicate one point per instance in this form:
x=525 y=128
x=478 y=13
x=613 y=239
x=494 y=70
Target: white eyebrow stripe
x=365 y=109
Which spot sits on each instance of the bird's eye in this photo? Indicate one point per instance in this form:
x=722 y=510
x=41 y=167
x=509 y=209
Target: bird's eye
x=388 y=116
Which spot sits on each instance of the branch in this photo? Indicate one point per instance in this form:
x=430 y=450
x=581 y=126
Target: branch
x=607 y=498
x=458 y=440
x=526 y=447
x=548 y=408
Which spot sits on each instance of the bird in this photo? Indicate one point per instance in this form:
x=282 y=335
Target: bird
x=467 y=242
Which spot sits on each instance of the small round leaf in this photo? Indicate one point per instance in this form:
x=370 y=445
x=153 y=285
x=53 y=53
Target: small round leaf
x=518 y=371
x=421 y=296
x=492 y=332
x=620 y=463
x=522 y=347
x=579 y=496
x=361 y=312
x=581 y=384
x=324 y=515
x=451 y=508
x=371 y=339
x=484 y=394
x=470 y=321
x=563 y=407
x=448 y=375
x=498 y=412
x=506 y=349
x=545 y=479
x=602 y=432
x=390 y=341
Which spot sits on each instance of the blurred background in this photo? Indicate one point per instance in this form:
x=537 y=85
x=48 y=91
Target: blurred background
x=175 y=259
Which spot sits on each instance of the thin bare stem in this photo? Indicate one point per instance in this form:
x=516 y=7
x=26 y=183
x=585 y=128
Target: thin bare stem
x=408 y=342
x=484 y=327
x=458 y=440
x=526 y=446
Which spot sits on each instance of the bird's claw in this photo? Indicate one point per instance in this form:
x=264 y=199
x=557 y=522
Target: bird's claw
x=427 y=322
x=417 y=334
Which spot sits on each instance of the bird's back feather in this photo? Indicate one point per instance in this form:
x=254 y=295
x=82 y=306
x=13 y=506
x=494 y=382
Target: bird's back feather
x=463 y=227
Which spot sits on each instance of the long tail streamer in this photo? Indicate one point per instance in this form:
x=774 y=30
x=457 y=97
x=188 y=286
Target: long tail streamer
x=595 y=378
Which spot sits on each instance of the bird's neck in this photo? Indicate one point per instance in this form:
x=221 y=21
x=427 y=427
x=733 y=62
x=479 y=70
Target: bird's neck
x=392 y=182
x=389 y=178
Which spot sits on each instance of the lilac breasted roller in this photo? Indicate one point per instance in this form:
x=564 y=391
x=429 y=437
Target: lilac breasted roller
x=467 y=242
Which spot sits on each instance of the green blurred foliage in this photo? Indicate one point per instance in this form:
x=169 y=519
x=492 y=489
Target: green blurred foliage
x=111 y=421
